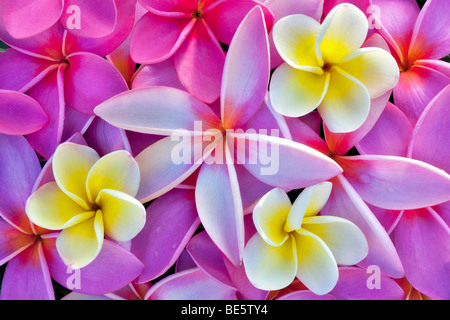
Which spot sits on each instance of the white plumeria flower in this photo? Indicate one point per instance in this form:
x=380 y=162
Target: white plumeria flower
x=326 y=68
x=292 y=241
x=90 y=197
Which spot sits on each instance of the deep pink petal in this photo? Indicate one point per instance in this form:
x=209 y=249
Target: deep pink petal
x=171 y=6
x=12 y=241
x=225 y=17
x=98 y=17
x=330 y=4
x=199 y=63
x=192 y=284
x=303 y=133
x=305 y=295
x=352 y=285
x=27 y=277
x=431 y=36
x=171 y=221
x=341 y=143
x=121 y=59
x=20 y=114
x=113 y=268
x=21 y=72
x=166 y=37
x=246 y=72
x=389 y=136
x=19 y=168
x=421 y=238
x=416 y=88
x=85 y=80
x=158 y=74
x=49 y=93
x=443 y=210
x=430 y=141
x=24 y=19
x=220 y=208
x=209 y=258
x=345 y=202
x=396 y=183
x=140 y=141
x=283 y=8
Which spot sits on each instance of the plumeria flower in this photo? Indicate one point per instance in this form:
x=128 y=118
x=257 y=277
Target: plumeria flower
x=293 y=241
x=327 y=69
x=92 y=197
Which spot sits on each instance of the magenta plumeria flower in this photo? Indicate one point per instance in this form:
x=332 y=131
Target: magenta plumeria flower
x=164 y=111
x=190 y=31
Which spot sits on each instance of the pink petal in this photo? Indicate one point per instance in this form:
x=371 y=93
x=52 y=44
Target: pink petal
x=158 y=74
x=444 y=211
x=438 y=65
x=105 y=45
x=304 y=134
x=389 y=136
x=21 y=72
x=140 y=141
x=225 y=16
x=166 y=37
x=170 y=6
x=305 y=295
x=288 y=164
x=427 y=258
x=20 y=114
x=19 y=168
x=29 y=18
x=283 y=8
x=161 y=241
x=121 y=59
x=330 y=4
x=49 y=93
x=75 y=121
x=416 y=88
x=220 y=208
x=192 y=284
x=246 y=72
x=208 y=257
x=113 y=268
x=430 y=141
x=387 y=218
x=345 y=202
x=98 y=17
x=12 y=241
x=199 y=63
x=396 y=183
x=352 y=285
x=85 y=80
x=27 y=277
x=431 y=36
x=341 y=143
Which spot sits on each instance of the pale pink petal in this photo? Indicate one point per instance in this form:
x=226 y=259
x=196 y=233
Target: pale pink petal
x=166 y=37
x=220 y=208
x=27 y=277
x=199 y=63
x=20 y=72
x=303 y=133
x=111 y=270
x=49 y=93
x=389 y=136
x=19 y=168
x=438 y=65
x=12 y=241
x=192 y=284
x=161 y=241
x=353 y=285
x=98 y=17
x=281 y=162
x=225 y=16
x=246 y=72
x=158 y=74
x=396 y=183
x=24 y=19
x=416 y=88
x=427 y=258
x=431 y=36
x=430 y=141
x=85 y=80
x=345 y=202
x=20 y=114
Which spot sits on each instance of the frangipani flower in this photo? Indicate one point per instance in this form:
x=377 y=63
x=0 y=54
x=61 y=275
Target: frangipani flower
x=92 y=197
x=292 y=241
x=327 y=69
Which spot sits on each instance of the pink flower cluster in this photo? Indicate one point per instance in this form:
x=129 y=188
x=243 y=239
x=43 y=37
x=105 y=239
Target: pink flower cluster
x=217 y=114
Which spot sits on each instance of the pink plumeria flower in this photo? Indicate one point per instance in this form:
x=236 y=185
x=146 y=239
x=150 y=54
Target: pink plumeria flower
x=97 y=18
x=293 y=241
x=190 y=31
x=92 y=197
x=327 y=69
x=164 y=111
